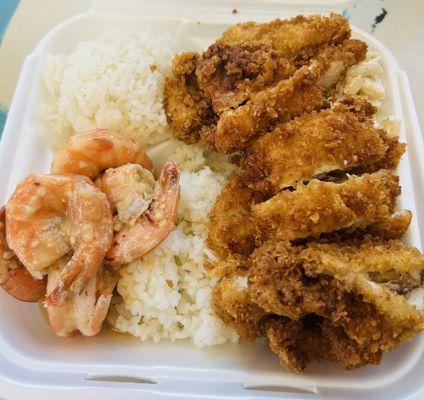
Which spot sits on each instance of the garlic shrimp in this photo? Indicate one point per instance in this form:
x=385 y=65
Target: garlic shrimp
x=91 y=152
x=14 y=278
x=49 y=216
x=83 y=312
x=153 y=226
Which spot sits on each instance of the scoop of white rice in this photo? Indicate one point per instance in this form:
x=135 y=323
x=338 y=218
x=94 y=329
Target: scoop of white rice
x=115 y=82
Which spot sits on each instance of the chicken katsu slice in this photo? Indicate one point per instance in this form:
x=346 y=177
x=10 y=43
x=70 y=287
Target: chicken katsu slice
x=232 y=303
x=367 y=288
x=296 y=281
x=320 y=207
x=298 y=38
x=187 y=109
x=231 y=230
x=301 y=93
x=228 y=75
x=313 y=144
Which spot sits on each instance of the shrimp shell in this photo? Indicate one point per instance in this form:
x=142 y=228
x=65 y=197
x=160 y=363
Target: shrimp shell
x=91 y=152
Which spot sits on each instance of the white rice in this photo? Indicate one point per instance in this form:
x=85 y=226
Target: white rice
x=115 y=82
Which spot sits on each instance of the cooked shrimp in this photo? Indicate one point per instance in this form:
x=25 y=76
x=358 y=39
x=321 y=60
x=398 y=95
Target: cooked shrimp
x=14 y=278
x=129 y=189
x=84 y=312
x=154 y=225
x=91 y=152
x=50 y=215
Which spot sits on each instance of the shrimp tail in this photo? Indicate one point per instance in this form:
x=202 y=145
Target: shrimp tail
x=102 y=304
x=73 y=279
x=154 y=225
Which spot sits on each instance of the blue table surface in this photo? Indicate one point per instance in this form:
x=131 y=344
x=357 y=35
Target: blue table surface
x=7 y=9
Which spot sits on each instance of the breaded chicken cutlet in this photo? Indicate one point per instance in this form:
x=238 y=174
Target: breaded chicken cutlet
x=318 y=143
x=254 y=63
x=364 y=289
x=320 y=207
x=302 y=93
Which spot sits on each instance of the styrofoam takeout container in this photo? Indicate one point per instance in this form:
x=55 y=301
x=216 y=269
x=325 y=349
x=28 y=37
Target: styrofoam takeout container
x=36 y=364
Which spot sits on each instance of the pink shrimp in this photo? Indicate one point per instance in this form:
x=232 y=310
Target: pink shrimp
x=49 y=216
x=153 y=226
x=91 y=152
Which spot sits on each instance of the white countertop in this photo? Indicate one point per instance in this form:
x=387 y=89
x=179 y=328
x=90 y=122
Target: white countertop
x=401 y=30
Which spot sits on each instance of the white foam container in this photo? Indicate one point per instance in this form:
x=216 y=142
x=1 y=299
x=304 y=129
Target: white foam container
x=36 y=364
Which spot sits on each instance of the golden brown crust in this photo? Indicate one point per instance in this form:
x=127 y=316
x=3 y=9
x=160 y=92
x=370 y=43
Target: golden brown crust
x=233 y=305
x=313 y=144
x=228 y=75
x=358 y=290
x=302 y=93
x=299 y=37
x=320 y=207
x=251 y=63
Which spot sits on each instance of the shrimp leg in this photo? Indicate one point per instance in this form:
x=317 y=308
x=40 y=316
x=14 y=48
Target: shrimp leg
x=153 y=226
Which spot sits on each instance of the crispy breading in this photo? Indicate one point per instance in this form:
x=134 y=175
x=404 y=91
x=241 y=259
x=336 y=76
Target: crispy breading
x=302 y=93
x=295 y=346
x=393 y=227
x=228 y=75
x=298 y=37
x=313 y=144
x=232 y=303
x=319 y=207
x=231 y=230
x=361 y=290
x=186 y=107
x=297 y=343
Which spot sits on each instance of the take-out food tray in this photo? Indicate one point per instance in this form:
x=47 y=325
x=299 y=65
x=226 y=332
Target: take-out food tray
x=36 y=364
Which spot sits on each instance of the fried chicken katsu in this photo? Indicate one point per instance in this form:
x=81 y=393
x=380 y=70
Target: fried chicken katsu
x=319 y=207
x=313 y=144
x=361 y=288
x=302 y=93
x=306 y=232
x=255 y=76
